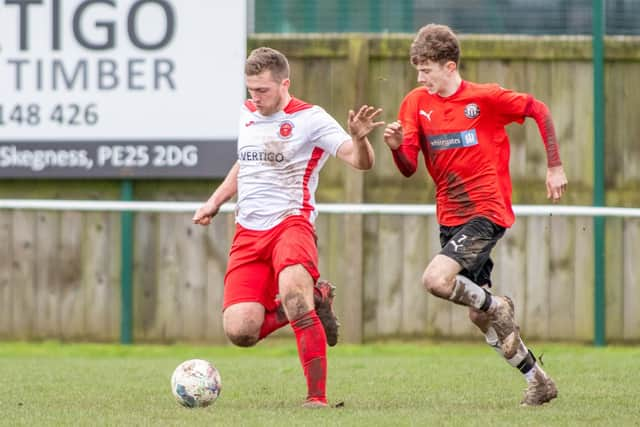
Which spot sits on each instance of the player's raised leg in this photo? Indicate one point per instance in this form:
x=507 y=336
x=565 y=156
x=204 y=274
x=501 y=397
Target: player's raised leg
x=323 y=295
x=441 y=278
x=540 y=387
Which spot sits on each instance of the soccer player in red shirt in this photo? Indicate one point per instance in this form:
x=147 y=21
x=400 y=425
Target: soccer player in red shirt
x=283 y=143
x=459 y=127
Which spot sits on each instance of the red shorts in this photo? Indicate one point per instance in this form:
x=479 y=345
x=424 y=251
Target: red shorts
x=258 y=256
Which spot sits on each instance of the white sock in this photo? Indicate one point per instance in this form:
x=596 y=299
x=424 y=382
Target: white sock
x=491 y=337
x=521 y=358
x=465 y=292
x=532 y=372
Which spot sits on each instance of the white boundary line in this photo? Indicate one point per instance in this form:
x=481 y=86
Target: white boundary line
x=333 y=208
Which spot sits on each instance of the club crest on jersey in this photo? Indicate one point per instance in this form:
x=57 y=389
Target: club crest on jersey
x=286 y=129
x=471 y=111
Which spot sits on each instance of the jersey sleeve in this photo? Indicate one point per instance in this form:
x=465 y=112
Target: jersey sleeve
x=325 y=132
x=510 y=106
x=515 y=107
x=406 y=156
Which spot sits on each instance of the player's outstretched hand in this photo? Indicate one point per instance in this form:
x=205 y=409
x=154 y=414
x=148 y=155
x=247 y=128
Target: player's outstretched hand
x=205 y=214
x=361 y=124
x=556 y=183
x=393 y=135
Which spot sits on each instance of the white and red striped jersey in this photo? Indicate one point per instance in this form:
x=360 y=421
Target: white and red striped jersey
x=280 y=157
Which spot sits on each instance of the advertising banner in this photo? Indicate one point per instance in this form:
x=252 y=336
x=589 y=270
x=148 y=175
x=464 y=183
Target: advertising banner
x=120 y=88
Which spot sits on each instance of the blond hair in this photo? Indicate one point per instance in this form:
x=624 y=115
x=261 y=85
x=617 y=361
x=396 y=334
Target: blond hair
x=266 y=58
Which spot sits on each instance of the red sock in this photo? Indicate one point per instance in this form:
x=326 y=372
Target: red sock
x=312 y=349
x=273 y=320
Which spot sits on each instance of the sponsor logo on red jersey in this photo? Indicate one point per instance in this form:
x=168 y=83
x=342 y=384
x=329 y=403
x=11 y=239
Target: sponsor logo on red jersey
x=445 y=141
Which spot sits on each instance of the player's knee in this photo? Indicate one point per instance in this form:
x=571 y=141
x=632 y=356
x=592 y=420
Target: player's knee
x=434 y=284
x=241 y=328
x=241 y=335
x=242 y=340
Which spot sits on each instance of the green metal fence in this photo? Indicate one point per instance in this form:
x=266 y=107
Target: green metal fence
x=464 y=16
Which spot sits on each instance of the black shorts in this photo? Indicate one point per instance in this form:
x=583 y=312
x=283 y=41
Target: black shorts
x=470 y=245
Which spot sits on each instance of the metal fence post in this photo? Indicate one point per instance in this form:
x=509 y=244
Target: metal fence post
x=598 y=173
x=126 y=267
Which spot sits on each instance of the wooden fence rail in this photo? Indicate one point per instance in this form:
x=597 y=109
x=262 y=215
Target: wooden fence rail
x=59 y=276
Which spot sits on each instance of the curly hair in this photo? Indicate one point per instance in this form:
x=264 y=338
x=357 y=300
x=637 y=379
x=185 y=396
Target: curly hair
x=266 y=58
x=436 y=43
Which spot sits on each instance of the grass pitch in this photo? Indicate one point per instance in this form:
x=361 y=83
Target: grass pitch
x=391 y=384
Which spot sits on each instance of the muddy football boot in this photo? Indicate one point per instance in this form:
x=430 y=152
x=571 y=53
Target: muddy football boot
x=540 y=390
x=323 y=294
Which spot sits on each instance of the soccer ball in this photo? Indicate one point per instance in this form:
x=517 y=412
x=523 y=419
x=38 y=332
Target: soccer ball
x=196 y=383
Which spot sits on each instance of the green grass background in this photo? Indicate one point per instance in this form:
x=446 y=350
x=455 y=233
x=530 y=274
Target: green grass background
x=386 y=384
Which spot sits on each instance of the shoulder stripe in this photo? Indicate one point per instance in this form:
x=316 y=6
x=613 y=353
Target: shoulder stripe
x=296 y=105
x=250 y=105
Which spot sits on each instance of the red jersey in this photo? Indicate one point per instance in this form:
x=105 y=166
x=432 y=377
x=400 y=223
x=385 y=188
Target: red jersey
x=465 y=147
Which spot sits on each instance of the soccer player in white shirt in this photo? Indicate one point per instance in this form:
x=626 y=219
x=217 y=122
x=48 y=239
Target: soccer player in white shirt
x=282 y=145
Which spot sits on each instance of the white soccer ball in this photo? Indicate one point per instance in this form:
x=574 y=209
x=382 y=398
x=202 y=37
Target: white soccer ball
x=196 y=383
